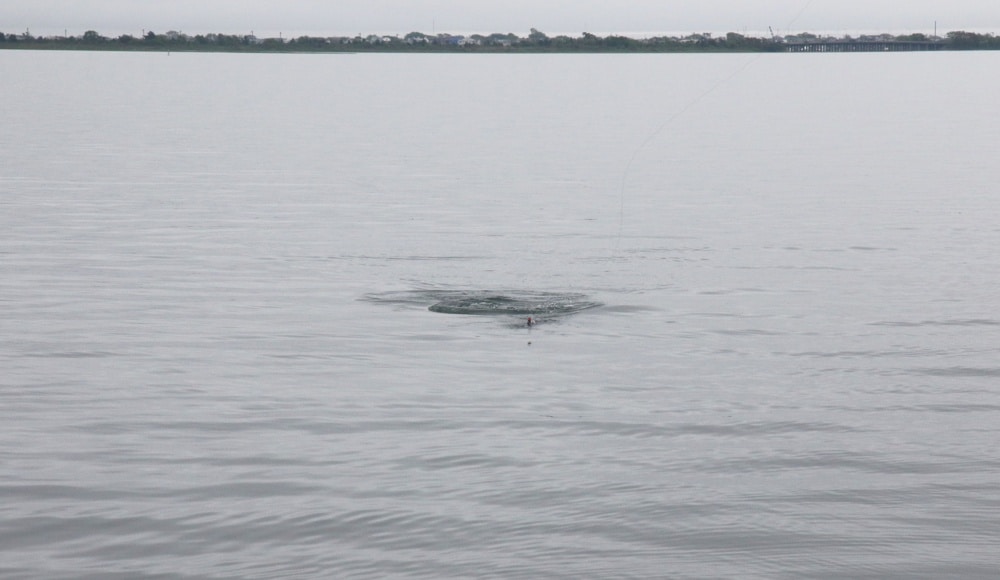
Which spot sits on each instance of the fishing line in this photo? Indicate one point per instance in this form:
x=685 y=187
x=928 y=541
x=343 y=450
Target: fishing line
x=635 y=153
x=678 y=113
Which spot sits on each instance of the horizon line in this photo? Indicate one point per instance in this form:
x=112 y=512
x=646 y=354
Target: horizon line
x=634 y=34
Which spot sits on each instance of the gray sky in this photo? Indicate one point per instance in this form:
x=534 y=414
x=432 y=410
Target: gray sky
x=349 y=17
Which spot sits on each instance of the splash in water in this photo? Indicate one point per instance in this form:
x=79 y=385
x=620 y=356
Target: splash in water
x=533 y=305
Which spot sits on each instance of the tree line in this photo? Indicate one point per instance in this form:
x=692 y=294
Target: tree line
x=535 y=41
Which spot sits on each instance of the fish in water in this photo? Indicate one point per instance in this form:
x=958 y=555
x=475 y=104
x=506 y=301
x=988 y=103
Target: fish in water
x=522 y=304
x=519 y=307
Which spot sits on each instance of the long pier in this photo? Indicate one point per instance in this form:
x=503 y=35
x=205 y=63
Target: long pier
x=863 y=46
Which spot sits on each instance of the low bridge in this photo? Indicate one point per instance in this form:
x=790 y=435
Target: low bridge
x=863 y=46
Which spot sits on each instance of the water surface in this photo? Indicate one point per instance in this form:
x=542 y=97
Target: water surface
x=773 y=350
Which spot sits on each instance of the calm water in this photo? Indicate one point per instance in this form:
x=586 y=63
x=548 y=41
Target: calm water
x=767 y=292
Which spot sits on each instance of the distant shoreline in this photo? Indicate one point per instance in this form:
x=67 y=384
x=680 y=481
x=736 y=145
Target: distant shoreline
x=534 y=42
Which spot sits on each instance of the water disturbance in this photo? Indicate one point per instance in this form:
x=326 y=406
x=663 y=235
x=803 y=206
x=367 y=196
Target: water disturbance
x=545 y=305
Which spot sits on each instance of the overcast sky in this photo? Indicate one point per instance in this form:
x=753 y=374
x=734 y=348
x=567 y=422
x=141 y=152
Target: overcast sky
x=350 y=17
